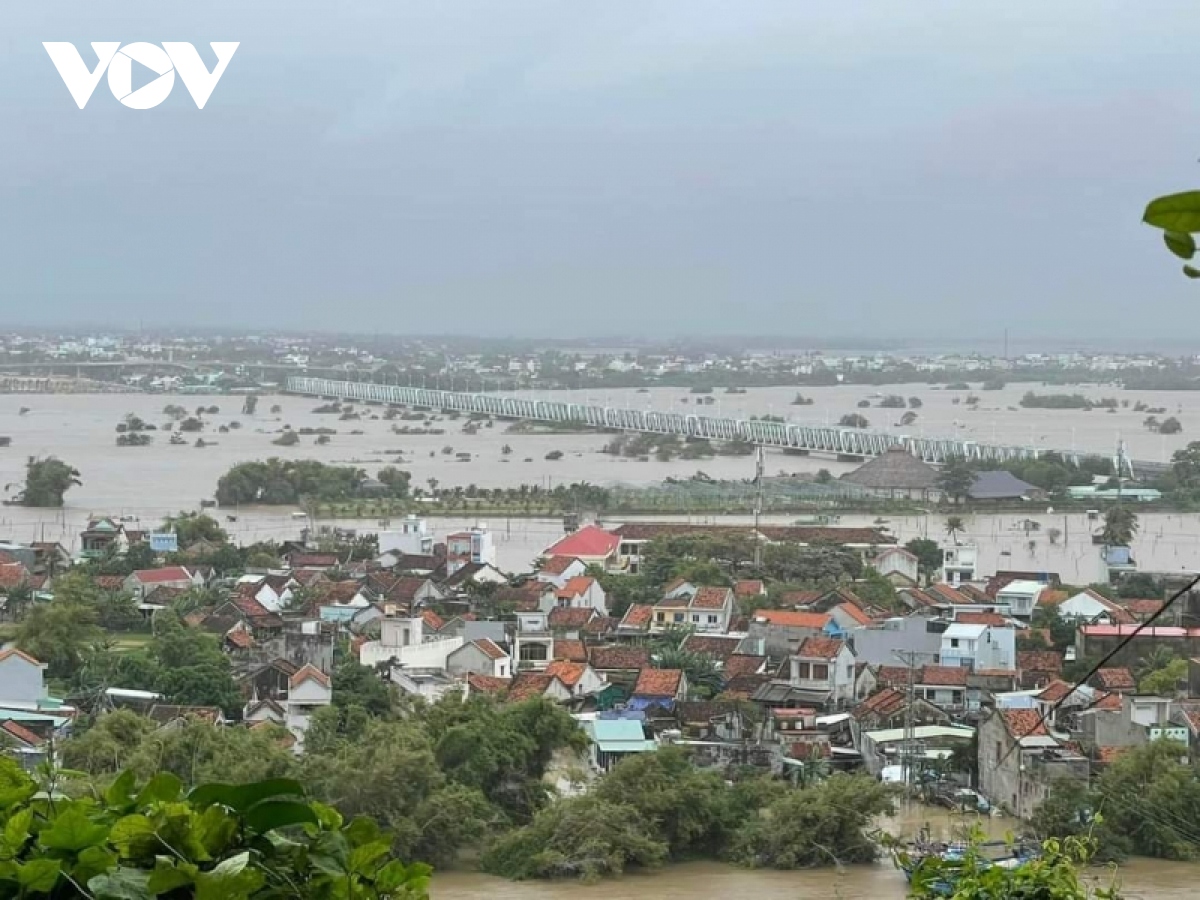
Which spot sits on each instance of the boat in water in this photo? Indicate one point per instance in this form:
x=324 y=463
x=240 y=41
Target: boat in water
x=947 y=859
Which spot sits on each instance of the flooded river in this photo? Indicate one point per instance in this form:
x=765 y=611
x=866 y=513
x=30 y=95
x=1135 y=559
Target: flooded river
x=155 y=481
x=1138 y=878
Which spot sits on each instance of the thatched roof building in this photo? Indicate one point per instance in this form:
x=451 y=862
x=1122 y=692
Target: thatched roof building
x=897 y=473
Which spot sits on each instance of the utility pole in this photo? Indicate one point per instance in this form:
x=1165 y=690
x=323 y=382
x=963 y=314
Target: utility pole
x=910 y=658
x=758 y=505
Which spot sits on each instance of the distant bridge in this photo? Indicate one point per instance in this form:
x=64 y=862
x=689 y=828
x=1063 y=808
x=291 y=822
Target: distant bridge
x=832 y=440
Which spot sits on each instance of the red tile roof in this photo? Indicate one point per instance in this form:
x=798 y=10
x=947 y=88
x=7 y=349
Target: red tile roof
x=568 y=673
x=486 y=684
x=820 y=648
x=13 y=575
x=785 y=618
x=309 y=672
x=433 y=620
x=489 y=648
x=1118 y=679
x=714 y=645
x=589 y=541
x=639 y=616
x=981 y=618
x=572 y=651
x=567 y=617
x=712 y=598
x=800 y=598
x=1040 y=661
x=556 y=565
x=752 y=588
x=944 y=676
x=883 y=703
x=658 y=683
x=13 y=651
x=1107 y=755
x=947 y=594
x=1023 y=723
x=601 y=625
x=580 y=584
x=615 y=657
x=1055 y=691
x=1143 y=608
x=1111 y=702
x=159 y=576
x=239 y=638
x=109 y=582
x=529 y=684
x=22 y=734
x=890 y=676
x=854 y=613
x=742 y=664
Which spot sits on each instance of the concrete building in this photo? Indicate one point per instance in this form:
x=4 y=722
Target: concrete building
x=878 y=644
x=411 y=538
x=1019 y=760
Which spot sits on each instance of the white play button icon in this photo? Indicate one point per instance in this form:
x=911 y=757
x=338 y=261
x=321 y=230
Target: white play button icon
x=120 y=75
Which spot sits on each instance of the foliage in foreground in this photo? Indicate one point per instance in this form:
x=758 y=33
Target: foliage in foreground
x=217 y=842
x=1052 y=876
x=657 y=807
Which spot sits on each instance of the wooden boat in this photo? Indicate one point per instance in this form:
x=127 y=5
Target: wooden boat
x=987 y=855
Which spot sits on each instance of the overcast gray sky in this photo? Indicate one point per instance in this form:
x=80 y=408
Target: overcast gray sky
x=566 y=167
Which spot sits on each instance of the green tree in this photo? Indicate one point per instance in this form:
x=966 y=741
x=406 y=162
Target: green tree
x=955 y=480
x=703 y=677
x=1120 y=526
x=190 y=527
x=1150 y=794
x=929 y=556
x=58 y=634
x=105 y=747
x=954 y=527
x=47 y=480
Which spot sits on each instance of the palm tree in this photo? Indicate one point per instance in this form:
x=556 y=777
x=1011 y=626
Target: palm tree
x=954 y=527
x=703 y=677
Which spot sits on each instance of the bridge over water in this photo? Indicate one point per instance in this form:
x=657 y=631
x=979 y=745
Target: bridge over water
x=814 y=439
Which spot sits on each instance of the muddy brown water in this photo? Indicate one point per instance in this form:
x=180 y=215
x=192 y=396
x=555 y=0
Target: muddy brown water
x=1139 y=878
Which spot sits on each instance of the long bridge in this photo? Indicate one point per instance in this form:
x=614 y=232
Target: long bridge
x=840 y=441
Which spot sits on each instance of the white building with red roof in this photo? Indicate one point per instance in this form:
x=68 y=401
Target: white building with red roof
x=143 y=581
x=591 y=545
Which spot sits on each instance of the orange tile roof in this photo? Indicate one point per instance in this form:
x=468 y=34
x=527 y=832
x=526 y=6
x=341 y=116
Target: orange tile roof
x=751 y=588
x=490 y=648
x=711 y=598
x=981 y=618
x=530 y=684
x=658 y=683
x=568 y=617
x=882 y=703
x=995 y=673
x=1111 y=701
x=617 y=657
x=580 y=584
x=718 y=646
x=1039 y=660
x=1023 y=723
x=639 y=615
x=742 y=664
x=572 y=651
x=1052 y=598
x=854 y=613
x=13 y=575
x=820 y=648
x=1055 y=691
x=888 y=676
x=556 y=565
x=1116 y=679
x=1143 y=607
x=568 y=673
x=306 y=672
x=486 y=684
x=22 y=734
x=433 y=620
x=788 y=619
x=943 y=676
x=13 y=651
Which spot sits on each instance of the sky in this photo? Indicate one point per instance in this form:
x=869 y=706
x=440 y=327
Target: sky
x=937 y=170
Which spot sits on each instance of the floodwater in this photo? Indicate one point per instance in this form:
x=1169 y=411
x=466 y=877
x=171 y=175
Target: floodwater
x=149 y=483
x=1139 y=878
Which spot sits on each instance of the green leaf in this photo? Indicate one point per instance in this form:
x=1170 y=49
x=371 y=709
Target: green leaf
x=330 y=818
x=1191 y=272
x=16 y=829
x=1174 y=212
x=73 y=831
x=161 y=788
x=272 y=814
x=1180 y=243
x=215 y=830
x=240 y=797
x=390 y=877
x=134 y=836
x=92 y=862
x=120 y=792
x=230 y=880
x=167 y=877
x=364 y=858
x=121 y=884
x=38 y=875
x=362 y=830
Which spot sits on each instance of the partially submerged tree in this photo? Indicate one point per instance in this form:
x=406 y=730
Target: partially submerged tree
x=47 y=480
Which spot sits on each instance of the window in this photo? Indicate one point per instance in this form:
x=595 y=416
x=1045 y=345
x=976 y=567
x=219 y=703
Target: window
x=678 y=617
x=957 y=698
x=954 y=643
x=696 y=618
x=998 y=753
x=820 y=671
x=802 y=669
x=662 y=617
x=533 y=653
x=712 y=620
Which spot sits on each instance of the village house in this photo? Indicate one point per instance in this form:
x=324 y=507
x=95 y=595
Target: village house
x=783 y=631
x=580 y=678
x=888 y=708
x=103 y=537
x=943 y=686
x=308 y=691
x=1092 y=607
x=581 y=592
x=591 y=545
x=533 y=642
x=143 y=581
x=637 y=621
x=558 y=570
x=569 y=622
x=475 y=545
x=898 y=566
x=897 y=474
x=402 y=642
x=978 y=647
x=527 y=685
x=612 y=738
x=878 y=643
x=661 y=687
x=618 y=664
x=1019 y=760
x=22 y=679
x=481 y=657
x=273 y=591
x=1019 y=598
x=825 y=667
